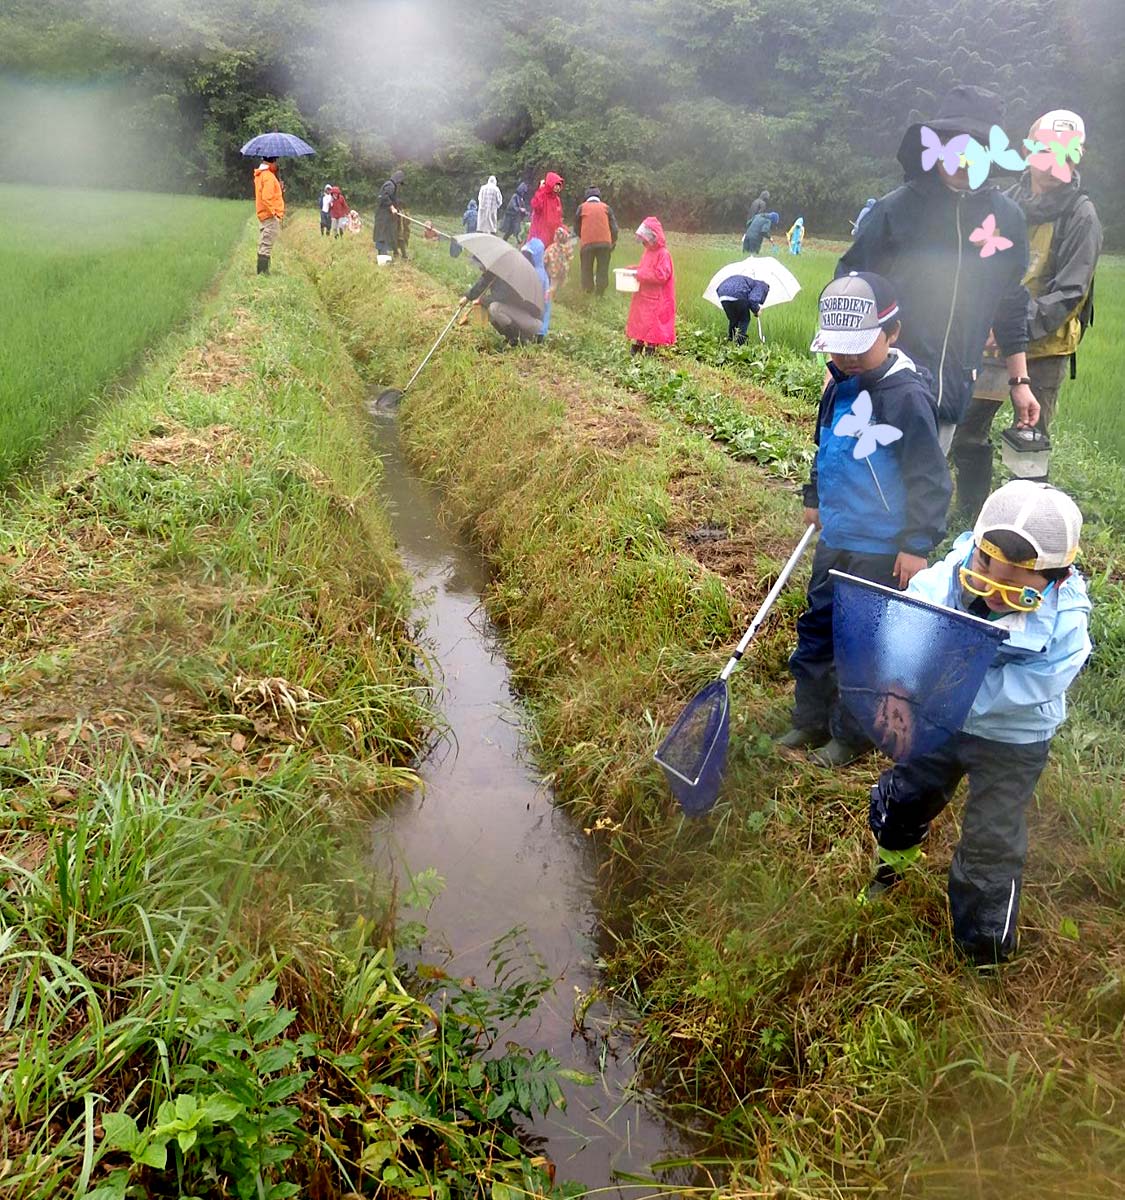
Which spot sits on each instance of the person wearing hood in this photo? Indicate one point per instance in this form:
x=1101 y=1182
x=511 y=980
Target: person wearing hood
x=469 y=218
x=547 y=209
x=385 y=231
x=515 y=318
x=652 y=313
x=760 y=205
x=556 y=260
x=1065 y=238
x=871 y=202
x=515 y=213
x=796 y=235
x=269 y=202
x=325 y=214
x=338 y=210
x=927 y=238
x=489 y=200
x=758 y=228
x=596 y=227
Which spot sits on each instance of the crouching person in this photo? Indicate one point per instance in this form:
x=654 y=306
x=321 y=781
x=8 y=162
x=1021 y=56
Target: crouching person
x=1015 y=569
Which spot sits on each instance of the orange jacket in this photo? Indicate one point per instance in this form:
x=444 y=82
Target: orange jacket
x=267 y=192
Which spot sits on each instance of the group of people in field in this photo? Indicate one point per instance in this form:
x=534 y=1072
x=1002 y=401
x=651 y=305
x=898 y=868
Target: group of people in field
x=955 y=295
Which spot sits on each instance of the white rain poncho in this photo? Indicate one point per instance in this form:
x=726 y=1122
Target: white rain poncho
x=489 y=201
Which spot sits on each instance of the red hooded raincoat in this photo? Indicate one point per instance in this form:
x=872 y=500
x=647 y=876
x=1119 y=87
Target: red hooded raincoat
x=652 y=314
x=546 y=210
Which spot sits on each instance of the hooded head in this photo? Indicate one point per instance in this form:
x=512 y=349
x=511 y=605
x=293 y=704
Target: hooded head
x=473 y=203
x=492 y=181
x=533 y=252
x=871 y=201
x=765 y=195
x=521 y=189
x=328 y=187
x=774 y=217
x=965 y=109
x=398 y=179
x=651 y=232
x=800 y=221
x=553 y=180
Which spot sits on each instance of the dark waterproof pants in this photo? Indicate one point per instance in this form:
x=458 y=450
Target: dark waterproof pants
x=816 y=700
x=595 y=267
x=987 y=868
x=738 y=313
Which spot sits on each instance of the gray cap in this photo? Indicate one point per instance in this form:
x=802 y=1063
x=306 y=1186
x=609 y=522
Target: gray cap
x=853 y=309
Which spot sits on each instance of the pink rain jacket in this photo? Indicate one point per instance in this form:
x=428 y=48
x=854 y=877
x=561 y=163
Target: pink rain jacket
x=652 y=314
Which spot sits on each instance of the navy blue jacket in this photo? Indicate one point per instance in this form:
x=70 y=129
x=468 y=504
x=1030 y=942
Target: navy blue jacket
x=895 y=497
x=742 y=288
x=918 y=237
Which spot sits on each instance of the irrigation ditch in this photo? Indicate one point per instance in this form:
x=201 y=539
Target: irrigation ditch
x=824 y=1047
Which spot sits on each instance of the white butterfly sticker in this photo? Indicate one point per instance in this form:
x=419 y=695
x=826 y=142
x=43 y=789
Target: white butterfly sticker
x=858 y=424
x=869 y=436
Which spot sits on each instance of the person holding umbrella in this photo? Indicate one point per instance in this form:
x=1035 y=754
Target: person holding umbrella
x=385 y=231
x=270 y=205
x=516 y=284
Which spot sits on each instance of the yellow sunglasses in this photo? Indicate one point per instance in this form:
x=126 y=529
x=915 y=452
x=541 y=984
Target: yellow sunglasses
x=1023 y=599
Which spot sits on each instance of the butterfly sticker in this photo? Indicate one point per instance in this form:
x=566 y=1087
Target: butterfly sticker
x=869 y=436
x=1054 y=152
x=986 y=236
x=979 y=159
x=934 y=150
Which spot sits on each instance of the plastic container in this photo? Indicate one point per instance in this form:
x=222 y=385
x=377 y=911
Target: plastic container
x=625 y=280
x=383 y=259
x=1026 y=453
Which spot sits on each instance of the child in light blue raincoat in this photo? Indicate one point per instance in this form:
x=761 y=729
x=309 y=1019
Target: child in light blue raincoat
x=1014 y=569
x=796 y=235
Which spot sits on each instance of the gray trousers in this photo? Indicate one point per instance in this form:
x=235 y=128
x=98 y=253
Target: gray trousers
x=972 y=444
x=986 y=873
x=516 y=325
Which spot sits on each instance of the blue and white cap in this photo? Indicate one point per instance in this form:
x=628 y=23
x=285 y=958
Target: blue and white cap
x=853 y=309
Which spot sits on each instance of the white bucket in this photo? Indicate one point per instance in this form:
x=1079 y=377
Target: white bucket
x=383 y=259
x=625 y=280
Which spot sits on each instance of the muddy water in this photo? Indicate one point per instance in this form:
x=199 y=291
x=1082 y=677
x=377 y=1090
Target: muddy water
x=507 y=855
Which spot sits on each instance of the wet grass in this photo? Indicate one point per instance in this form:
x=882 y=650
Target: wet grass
x=207 y=683
x=827 y=1049
x=88 y=281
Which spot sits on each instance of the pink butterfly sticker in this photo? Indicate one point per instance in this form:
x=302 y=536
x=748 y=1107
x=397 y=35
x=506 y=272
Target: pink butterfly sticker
x=934 y=150
x=988 y=239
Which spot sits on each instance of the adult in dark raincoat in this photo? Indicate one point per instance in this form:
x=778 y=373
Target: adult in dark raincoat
x=509 y=313
x=1065 y=240
x=652 y=313
x=515 y=213
x=757 y=229
x=386 y=226
x=547 y=209
x=918 y=237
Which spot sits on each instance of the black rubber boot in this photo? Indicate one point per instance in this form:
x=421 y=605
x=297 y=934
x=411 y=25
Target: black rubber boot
x=974 y=480
x=263 y=264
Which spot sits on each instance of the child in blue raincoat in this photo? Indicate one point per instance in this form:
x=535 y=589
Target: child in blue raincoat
x=469 y=218
x=796 y=235
x=1016 y=570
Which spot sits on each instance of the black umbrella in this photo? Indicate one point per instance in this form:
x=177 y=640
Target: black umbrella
x=506 y=262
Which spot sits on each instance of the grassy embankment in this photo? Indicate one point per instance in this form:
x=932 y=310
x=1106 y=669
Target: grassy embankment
x=830 y=1048
x=87 y=281
x=206 y=681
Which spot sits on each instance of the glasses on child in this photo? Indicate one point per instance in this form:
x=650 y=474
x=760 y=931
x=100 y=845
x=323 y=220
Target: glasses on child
x=1023 y=599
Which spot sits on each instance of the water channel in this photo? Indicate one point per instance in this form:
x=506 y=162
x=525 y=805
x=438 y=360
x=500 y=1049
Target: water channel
x=509 y=857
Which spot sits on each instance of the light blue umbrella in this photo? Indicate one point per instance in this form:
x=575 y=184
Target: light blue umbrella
x=276 y=145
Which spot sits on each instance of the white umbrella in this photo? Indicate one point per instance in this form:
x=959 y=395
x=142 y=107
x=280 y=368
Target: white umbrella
x=783 y=283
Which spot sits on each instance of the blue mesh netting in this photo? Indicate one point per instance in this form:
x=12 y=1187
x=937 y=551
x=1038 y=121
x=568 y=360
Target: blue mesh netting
x=695 y=751
x=907 y=670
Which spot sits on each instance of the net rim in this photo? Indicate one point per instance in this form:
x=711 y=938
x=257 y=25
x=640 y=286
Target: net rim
x=999 y=635
x=719 y=685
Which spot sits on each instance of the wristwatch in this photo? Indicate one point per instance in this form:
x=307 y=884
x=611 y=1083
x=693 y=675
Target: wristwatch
x=1016 y=380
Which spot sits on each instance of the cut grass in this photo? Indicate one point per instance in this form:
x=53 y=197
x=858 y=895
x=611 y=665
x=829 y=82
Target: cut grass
x=827 y=1048
x=89 y=280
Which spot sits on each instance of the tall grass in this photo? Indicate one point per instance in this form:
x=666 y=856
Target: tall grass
x=87 y=281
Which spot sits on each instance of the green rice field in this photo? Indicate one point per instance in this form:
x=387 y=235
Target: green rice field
x=88 y=280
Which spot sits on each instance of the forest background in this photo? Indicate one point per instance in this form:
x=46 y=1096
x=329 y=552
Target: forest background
x=683 y=107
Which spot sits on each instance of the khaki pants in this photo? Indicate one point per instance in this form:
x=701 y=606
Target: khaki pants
x=267 y=235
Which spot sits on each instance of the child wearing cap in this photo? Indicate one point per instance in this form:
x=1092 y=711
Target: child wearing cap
x=879 y=490
x=1015 y=568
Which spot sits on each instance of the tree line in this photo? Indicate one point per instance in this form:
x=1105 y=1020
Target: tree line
x=683 y=107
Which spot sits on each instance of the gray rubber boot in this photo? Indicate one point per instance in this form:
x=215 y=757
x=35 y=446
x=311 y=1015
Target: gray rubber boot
x=263 y=264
